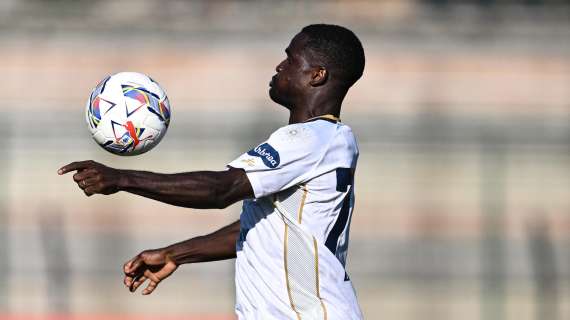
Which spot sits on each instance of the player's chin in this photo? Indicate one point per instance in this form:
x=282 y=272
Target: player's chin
x=276 y=97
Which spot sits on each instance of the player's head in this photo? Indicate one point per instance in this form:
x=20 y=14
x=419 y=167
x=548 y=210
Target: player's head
x=322 y=58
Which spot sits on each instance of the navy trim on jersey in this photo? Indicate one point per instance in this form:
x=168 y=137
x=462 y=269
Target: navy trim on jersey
x=339 y=225
x=344 y=179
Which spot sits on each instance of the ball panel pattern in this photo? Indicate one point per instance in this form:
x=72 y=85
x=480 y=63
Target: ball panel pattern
x=128 y=113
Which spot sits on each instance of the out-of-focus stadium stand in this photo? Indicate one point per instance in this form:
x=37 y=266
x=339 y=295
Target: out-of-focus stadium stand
x=463 y=119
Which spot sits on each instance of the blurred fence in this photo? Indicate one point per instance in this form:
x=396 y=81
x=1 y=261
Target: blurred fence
x=463 y=119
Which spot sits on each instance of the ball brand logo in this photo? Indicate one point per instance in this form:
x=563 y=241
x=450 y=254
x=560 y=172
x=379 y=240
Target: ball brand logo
x=267 y=153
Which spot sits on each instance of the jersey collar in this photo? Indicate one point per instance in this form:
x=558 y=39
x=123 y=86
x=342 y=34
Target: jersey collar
x=328 y=117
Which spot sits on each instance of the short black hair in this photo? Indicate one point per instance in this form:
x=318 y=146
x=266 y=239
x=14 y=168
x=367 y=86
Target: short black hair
x=338 y=49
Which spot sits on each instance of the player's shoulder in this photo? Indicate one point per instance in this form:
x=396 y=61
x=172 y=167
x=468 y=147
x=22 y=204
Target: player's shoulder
x=314 y=138
x=312 y=131
x=297 y=134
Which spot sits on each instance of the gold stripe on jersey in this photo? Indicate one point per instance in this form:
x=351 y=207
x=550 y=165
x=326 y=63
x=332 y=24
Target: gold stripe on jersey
x=317 y=276
x=300 y=258
x=303 y=199
x=287 y=271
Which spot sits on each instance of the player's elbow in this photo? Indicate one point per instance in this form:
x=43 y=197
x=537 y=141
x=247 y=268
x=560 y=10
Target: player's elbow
x=232 y=186
x=222 y=202
x=222 y=198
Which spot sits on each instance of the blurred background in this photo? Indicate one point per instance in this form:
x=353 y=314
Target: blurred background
x=463 y=183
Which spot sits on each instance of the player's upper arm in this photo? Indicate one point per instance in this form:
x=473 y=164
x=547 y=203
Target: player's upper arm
x=287 y=158
x=234 y=186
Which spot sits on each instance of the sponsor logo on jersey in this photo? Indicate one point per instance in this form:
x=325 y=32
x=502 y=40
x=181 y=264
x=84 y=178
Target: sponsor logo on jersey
x=267 y=153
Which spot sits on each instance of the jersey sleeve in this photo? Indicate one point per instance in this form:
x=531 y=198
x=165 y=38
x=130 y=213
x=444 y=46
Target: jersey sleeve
x=287 y=158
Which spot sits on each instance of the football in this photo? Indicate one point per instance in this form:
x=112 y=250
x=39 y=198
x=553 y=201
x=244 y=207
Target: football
x=128 y=113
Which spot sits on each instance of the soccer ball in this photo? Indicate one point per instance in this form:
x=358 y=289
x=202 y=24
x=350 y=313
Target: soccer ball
x=128 y=113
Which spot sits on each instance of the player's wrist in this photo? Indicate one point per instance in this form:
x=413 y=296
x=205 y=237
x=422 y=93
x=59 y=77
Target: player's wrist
x=169 y=256
x=174 y=254
x=123 y=180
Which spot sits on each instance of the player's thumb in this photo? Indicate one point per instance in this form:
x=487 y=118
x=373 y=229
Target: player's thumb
x=166 y=271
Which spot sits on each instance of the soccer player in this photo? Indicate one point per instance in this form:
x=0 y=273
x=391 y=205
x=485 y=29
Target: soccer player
x=297 y=188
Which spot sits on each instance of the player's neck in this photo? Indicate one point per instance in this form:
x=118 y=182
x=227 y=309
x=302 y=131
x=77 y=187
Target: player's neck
x=304 y=114
x=317 y=104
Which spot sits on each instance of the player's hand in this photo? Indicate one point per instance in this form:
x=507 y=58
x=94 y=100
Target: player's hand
x=152 y=265
x=93 y=177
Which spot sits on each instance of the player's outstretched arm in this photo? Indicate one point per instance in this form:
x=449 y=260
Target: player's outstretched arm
x=199 y=189
x=158 y=264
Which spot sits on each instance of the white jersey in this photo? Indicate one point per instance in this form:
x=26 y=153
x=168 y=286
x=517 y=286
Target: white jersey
x=291 y=252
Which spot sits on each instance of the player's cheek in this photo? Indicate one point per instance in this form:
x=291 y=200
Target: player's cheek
x=284 y=85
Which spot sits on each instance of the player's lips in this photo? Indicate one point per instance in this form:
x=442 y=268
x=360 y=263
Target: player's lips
x=272 y=81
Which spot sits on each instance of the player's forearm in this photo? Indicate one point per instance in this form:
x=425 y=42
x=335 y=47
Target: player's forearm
x=219 y=245
x=200 y=189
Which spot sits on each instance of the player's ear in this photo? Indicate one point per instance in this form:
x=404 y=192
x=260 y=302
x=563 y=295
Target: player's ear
x=319 y=76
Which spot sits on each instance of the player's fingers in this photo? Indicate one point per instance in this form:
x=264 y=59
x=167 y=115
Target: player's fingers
x=153 y=282
x=77 y=165
x=89 y=191
x=137 y=283
x=82 y=175
x=132 y=266
x=151 y=276
x=127 y=266
x=128 y=281
x=83 y=184
x=86 y=182
x=150 y=288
